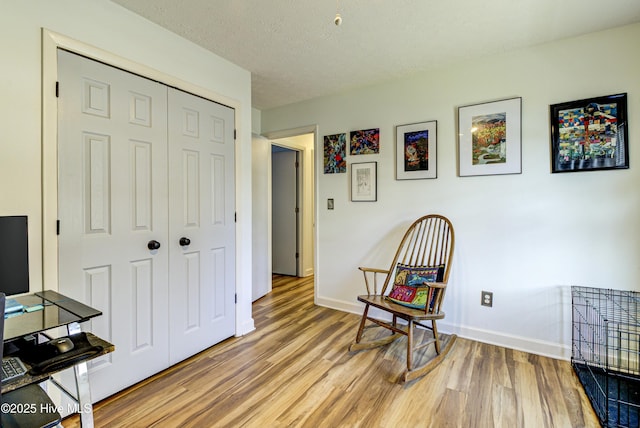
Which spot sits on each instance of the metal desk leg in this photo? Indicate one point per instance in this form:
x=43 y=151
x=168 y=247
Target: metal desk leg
x=84 y=395
x=81 y=372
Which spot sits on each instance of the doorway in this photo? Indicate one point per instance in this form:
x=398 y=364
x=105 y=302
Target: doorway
x=302 y=141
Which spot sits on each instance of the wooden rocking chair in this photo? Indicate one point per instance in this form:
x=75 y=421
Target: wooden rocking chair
x=417 y=280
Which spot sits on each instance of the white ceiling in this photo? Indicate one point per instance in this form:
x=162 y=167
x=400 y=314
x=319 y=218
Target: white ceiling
x=295 y=52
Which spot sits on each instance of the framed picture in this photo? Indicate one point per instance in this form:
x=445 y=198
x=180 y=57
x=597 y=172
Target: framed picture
x=335 y=147
x=490 y=138
x=416 y=150
x=365 y=142
x=364 y=182
x=589 y=134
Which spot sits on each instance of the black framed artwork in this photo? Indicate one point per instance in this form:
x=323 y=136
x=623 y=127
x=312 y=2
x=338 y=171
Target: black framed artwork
x=590 y=134
x=364 y=182
x=416 y=146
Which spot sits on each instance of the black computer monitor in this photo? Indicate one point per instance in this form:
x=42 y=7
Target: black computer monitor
x=14 y=255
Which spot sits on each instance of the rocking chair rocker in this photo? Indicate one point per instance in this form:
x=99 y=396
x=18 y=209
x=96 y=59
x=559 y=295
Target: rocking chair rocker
x=417 y=279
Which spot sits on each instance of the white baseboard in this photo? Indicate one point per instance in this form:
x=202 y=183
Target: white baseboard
x=341 y=305
x=245 y=328
x=520 y=343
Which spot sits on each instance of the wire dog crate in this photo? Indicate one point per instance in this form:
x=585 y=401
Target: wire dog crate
x=606 y=352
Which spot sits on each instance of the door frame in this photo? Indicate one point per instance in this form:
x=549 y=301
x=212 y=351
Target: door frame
x=51 y=41
x=284 y=139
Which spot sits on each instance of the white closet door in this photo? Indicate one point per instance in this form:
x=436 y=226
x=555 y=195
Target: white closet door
x=201 y=210
x=112 y=194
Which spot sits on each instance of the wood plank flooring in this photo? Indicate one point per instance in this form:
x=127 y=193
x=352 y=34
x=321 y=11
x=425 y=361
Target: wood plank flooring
x=295 y=371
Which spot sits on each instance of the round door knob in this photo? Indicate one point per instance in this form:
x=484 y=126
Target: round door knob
x=153 y=245
x=185 y=241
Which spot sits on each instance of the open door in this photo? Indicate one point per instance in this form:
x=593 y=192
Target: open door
x=285 y=208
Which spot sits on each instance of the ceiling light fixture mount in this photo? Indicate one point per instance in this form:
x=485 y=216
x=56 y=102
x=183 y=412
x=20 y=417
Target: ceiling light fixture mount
x=338 y=19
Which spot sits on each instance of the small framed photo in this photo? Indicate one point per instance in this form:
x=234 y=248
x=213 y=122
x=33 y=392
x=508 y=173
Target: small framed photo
x=490 y=138
x=416 y=150
x=589 y=134
x=364 y=182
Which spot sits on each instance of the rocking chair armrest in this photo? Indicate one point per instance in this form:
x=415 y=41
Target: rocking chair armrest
x=435 y=284
x=374 y=271
x=438 y=296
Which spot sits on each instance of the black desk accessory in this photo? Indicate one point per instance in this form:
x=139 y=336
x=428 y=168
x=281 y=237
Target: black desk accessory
x=48 y=357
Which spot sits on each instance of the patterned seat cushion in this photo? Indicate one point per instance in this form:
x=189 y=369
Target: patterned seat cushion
x=410 y=285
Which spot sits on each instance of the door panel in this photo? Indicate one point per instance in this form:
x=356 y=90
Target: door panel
x=97 y=289
x=284 y=239
x=112 y=148
x=201 y=209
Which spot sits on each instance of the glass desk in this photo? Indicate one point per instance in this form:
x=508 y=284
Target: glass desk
x=44 y=311
x=49 y=310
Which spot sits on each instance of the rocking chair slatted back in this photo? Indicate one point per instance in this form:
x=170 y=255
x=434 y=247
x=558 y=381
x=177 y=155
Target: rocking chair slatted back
x=429 y=241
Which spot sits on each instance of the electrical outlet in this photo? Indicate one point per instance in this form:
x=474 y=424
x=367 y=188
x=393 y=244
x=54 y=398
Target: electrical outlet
x=486 y=298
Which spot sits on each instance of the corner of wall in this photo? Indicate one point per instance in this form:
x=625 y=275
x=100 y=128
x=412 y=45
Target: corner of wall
x=256 y=121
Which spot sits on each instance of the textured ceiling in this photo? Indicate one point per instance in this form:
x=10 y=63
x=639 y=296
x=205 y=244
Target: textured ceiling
x=295 y=52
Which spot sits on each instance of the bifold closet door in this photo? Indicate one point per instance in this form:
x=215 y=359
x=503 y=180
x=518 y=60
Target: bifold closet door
x=147 y=217
x=201 y=223
x=112 y=207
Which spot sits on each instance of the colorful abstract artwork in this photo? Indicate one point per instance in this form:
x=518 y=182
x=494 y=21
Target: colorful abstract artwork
x=590 y=134
x=365 y=142
x=416 y=150
x=334 y=153
x=489 y=138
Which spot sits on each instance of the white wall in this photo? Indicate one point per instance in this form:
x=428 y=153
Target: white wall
x=109 y=28
x=261 y=221
x=256 y=118
x=525 y=237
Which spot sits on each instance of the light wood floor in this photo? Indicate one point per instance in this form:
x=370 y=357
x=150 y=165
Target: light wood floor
x=295 y=371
